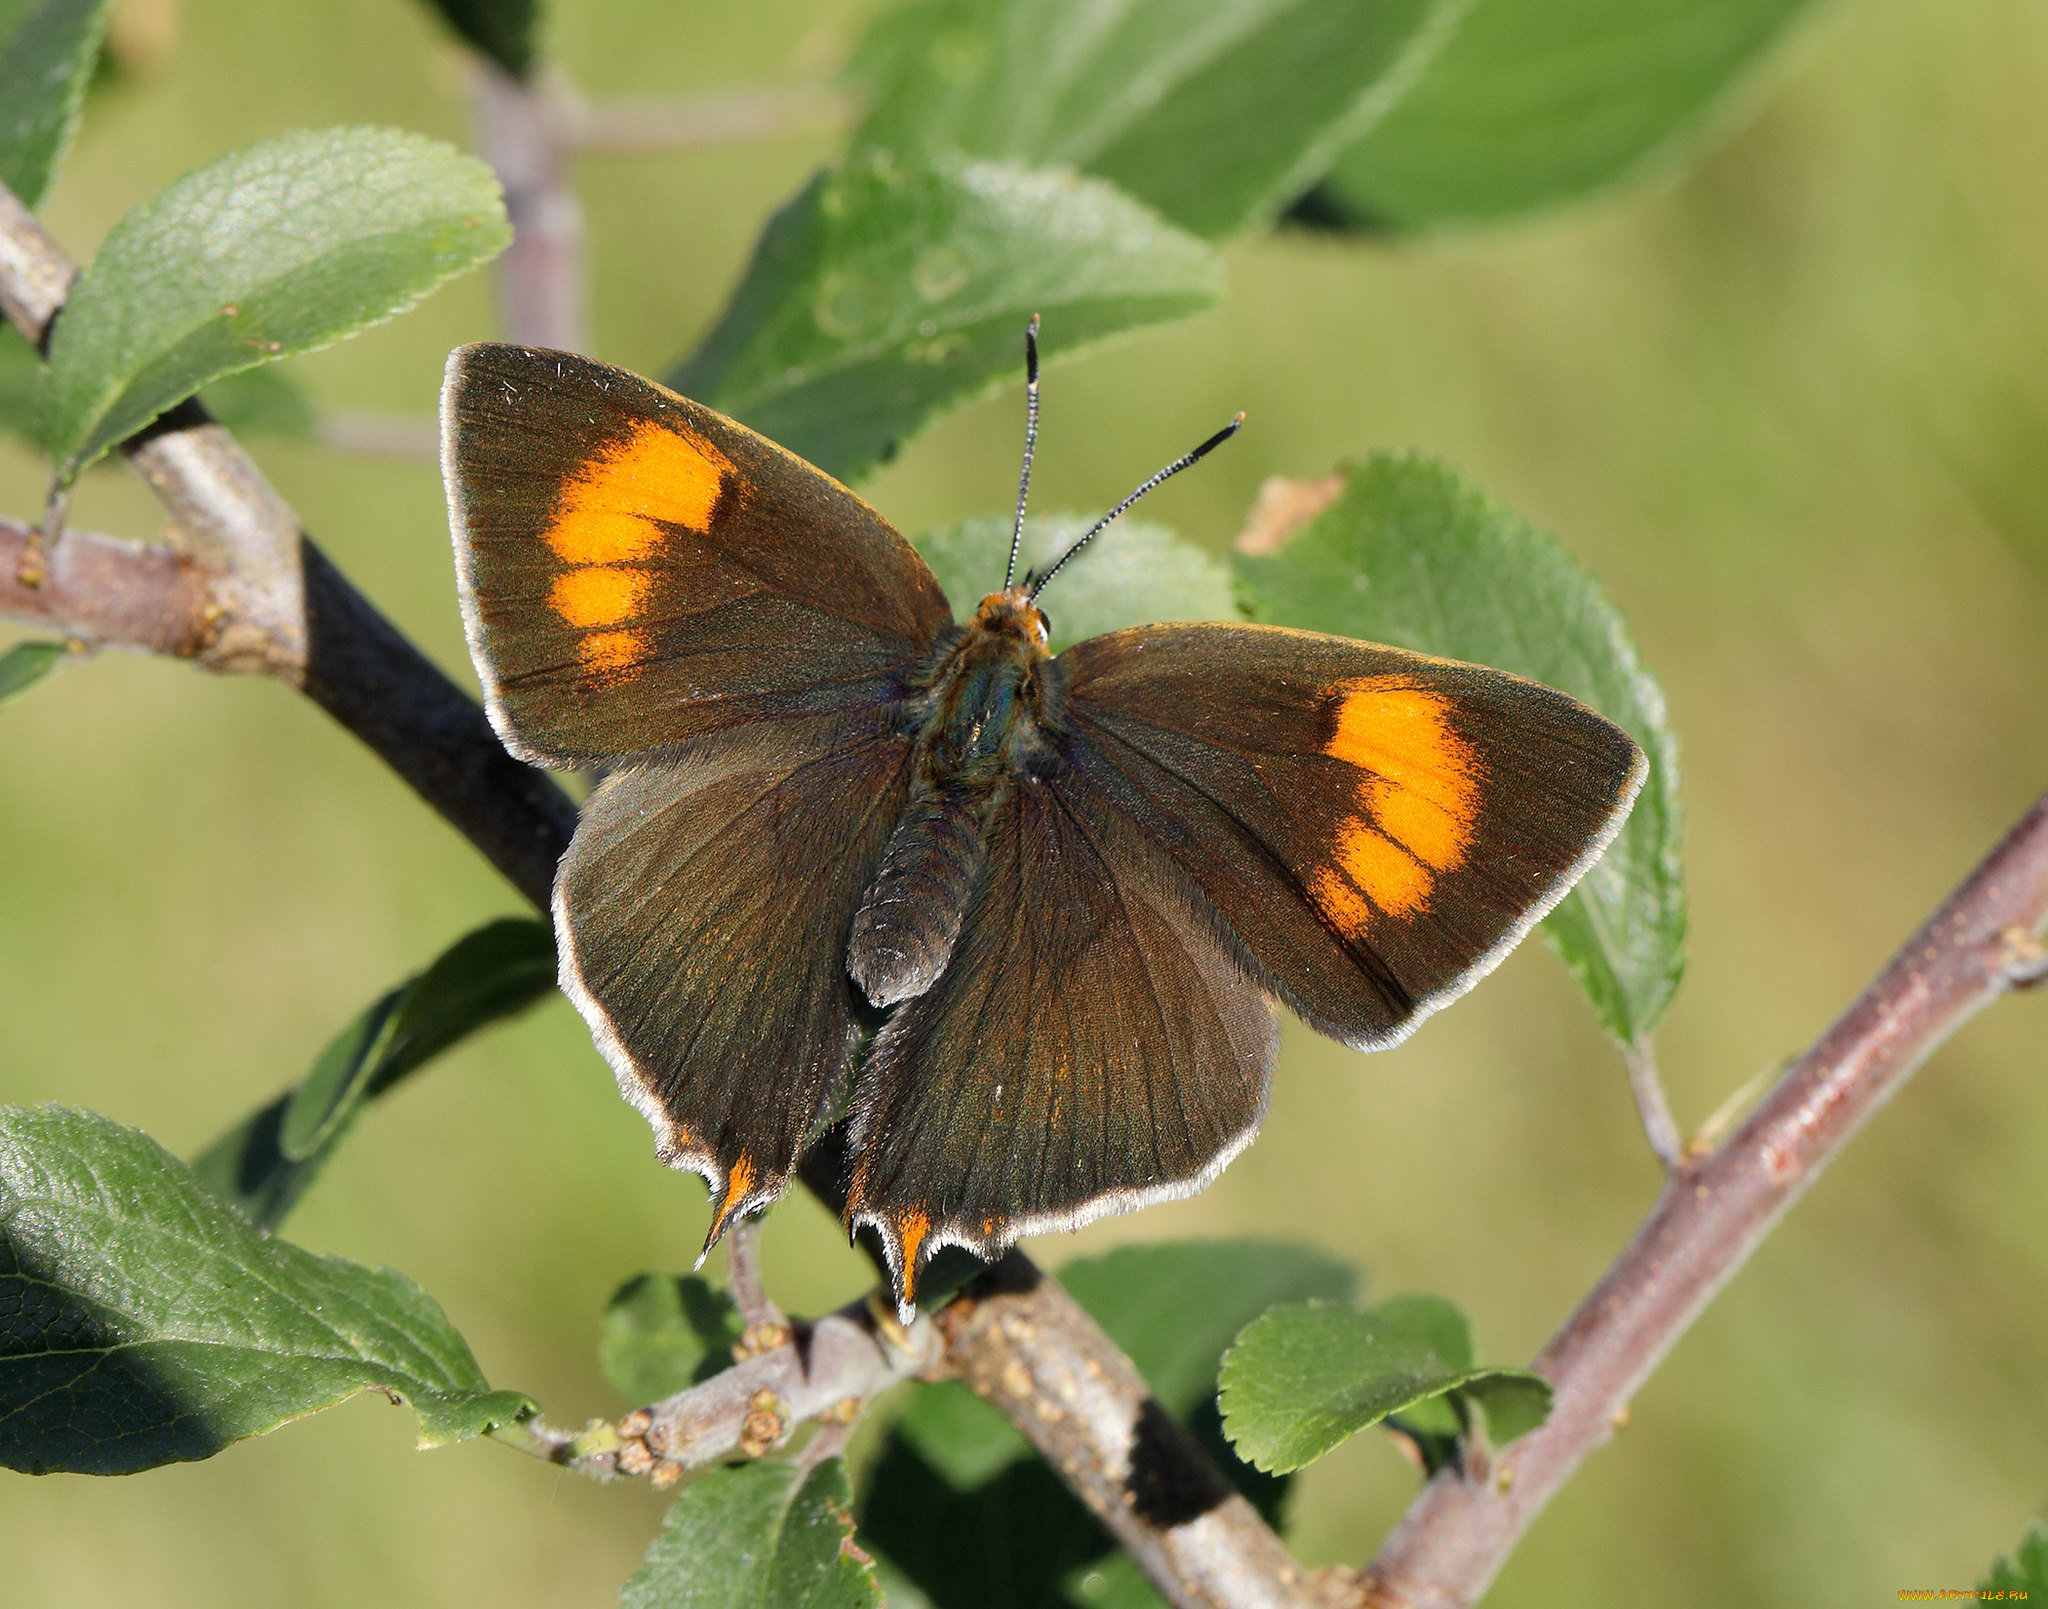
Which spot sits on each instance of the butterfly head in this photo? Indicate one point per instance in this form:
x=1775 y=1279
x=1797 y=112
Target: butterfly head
x=1012 y=614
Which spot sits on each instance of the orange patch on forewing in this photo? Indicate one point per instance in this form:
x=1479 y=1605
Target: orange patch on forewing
x=612 y=653
x=599 y=596
x=607 y=513
x=1417 y=797
x=1395 y=879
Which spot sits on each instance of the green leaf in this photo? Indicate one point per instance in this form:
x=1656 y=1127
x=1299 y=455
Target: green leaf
x=21 y=372
x=1412 y=554
x=261 y=402
x=665 y=1332
x=1176 y=1307
x=758 y=1536
x=144 y=1322
x=889 y=291
x=1532 y=102
x=501 y=30
x=267 y=1161
x=281 y=248
x=27 y=663
x=960 y=1503
x=45 y=63
x=1130 y=574
x=2024 y=1572
x=1217 y=114
x=1306 y=1376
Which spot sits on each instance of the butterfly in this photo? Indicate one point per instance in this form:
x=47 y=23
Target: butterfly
x=1078 y=882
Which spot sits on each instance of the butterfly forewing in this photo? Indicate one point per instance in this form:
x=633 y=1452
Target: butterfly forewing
x=637 y=569
x=1377 y=827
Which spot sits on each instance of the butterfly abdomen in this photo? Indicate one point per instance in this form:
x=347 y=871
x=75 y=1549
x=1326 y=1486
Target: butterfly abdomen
x=904 y=931
x=980 y=712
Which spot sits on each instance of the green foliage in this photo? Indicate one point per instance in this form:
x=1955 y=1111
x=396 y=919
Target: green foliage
x=758 y=1536
x=289 y=245
x=45 y=63
x=1131 y=574
x=891 y=290
x=25 y=664
x=1412 y=554
x=266 y=1162
x=20 y=373
x=664 y=1333
x=1218 y=115
x=1307 y=1376
x=1532 y=102
x=958 y=1501
x=2023 y=1573
x=143 y=1322
x=502 y=31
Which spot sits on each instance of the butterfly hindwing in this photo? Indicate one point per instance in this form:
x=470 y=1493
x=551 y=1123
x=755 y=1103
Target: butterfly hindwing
x=637 y=569
x=1377 y=827
x=1096 y=1042
x=703 y=914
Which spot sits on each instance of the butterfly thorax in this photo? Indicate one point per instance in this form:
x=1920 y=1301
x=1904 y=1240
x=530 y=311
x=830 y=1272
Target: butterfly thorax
x=981 y=708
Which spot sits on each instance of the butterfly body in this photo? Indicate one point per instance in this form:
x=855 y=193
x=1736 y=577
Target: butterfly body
x=982 y=711
x=1080 y=883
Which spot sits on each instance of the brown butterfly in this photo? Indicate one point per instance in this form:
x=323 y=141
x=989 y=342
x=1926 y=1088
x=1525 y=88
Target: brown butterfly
x=1081 y=880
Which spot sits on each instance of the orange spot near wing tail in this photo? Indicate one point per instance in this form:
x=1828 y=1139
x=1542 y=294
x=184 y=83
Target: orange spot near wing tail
x=911 y=1226
x=739 y=1181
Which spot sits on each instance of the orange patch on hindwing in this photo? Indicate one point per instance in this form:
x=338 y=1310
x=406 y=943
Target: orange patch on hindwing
x=609 y=518
x=1417 y=801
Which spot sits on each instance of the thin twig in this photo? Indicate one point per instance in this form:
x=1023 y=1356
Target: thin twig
x=541 y=277
x=1659 y=1127
x=1457 y=1534
x=107 y=593
x=824 y=1370
x=765 y=1324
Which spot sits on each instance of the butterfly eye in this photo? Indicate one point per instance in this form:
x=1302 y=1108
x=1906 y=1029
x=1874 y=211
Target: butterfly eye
x=1043 y=622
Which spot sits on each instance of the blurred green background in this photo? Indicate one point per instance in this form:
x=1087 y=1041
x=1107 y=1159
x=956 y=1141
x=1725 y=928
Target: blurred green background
x=1791 y=405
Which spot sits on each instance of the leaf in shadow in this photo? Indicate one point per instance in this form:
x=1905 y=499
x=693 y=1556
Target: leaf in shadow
x=145 y=1322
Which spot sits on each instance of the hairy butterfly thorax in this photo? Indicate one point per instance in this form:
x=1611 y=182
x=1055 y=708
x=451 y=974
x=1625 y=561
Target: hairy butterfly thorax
x=983 y=705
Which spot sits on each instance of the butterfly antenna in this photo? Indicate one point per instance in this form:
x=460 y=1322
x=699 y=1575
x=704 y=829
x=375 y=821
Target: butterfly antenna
x=1165 y=474
x=1030 y=441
